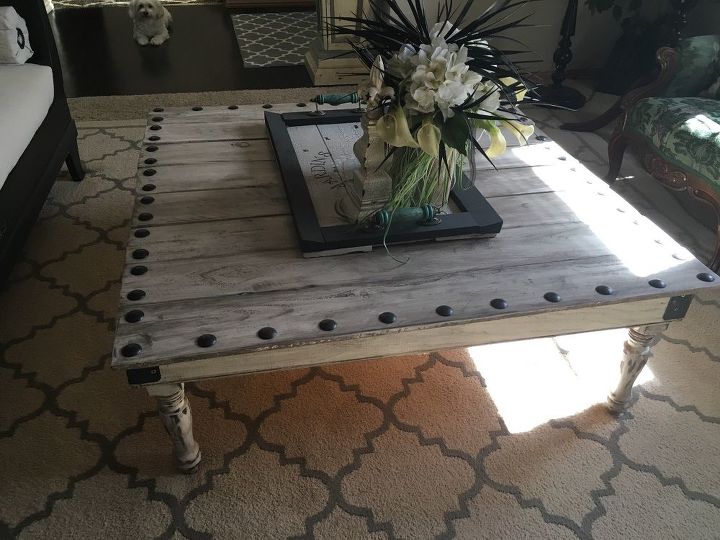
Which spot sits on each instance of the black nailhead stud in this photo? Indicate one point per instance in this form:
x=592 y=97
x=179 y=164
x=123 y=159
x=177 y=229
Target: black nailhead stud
x=158 y=109
x=150 y=161
x=134 y=316
x=152 y=148
x=552 y=297
x=562 y=158
x=136 y=295
x=149 y=187
x=444 y=311
x=267 y=106
x=140 y=254
x=604 y=290
x=142 y=233
x=499 y=303
x=387 y=317
x=233 y=107
x=541 y=137
x=657 y=283
x=267 y=333
x=157 y=119
x=138 y=270
x=130 y=350
x=328 y=325
x=206 y=340
x=155 y=127
x=154 y=138
x=301 y=104
x=707 y=278
x=145 y=216
x=197 y=108
x=149 y=172
x=147 y=200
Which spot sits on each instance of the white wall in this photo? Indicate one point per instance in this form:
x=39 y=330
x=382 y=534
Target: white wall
x=595 y=35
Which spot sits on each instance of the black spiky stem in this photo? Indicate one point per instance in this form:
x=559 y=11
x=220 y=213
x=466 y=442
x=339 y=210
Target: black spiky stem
x=557 y=93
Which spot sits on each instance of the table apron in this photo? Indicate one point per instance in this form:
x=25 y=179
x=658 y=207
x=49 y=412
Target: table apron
x=410 y=341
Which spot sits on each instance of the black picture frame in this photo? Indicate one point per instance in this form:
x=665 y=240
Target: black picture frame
x=476 y=217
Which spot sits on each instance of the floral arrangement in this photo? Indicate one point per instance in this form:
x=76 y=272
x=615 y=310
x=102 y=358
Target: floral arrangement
x=442 y=87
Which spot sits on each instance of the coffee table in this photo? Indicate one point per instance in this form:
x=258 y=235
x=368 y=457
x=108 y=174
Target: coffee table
x=215 y=284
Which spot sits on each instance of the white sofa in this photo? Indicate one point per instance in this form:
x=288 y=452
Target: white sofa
x=37 y=134
x=26 y=94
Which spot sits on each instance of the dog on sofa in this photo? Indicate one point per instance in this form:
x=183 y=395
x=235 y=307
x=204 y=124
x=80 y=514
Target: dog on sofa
x=151 y=22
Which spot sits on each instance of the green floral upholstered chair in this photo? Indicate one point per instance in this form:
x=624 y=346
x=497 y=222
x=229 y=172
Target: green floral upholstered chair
x=675 y=132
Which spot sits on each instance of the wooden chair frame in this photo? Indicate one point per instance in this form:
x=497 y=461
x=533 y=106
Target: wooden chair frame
x=669 y=175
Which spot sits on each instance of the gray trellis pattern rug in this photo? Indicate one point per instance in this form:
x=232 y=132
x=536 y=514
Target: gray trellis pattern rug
x=502 y=441
x=274 y=39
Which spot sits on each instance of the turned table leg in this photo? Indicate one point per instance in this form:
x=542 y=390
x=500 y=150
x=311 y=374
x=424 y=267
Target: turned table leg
x=174 y=410
x=637 y=351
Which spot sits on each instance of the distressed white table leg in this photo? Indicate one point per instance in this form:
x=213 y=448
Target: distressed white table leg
x=176 y=416
x=637 y=351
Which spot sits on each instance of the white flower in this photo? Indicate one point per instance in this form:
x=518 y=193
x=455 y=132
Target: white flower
x=401 y=63
x=441 y=77
x=442 y=29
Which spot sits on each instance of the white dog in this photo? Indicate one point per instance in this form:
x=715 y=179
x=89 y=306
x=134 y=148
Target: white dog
x=151 y=21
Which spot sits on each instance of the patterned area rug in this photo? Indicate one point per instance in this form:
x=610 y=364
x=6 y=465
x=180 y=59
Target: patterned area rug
x=502 y=441
x=274 y=39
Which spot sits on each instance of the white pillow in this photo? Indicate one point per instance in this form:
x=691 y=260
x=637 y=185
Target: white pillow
x=14 y=37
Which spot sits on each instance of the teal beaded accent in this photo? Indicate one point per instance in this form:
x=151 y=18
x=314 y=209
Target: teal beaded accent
x=422 y=215
x=336 y=99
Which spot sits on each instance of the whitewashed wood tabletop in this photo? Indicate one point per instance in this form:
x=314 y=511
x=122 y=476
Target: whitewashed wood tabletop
x=213 y=251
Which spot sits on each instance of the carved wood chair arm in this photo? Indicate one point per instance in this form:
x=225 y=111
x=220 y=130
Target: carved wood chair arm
x=667 y=58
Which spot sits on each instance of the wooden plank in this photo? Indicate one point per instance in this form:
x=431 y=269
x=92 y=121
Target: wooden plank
x=588 y=319
x=235 y=174
x=206 y=176
x=231 y=126
x=243 y=235
x=214 y=239
x=546 y=153
x=169 y=329
x=516 y=247
x=218 y=238
x=543 y=207
x=173 y=132
x=542 y=179
x=221 y=114
x=212 y=205
x=208 y=152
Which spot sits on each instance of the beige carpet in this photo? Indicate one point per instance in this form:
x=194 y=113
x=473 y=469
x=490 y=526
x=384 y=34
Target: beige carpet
x=503 y=441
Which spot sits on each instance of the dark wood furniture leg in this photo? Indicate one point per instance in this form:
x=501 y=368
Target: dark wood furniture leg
x=596 y=123
x=616 y=152
x=667 y=174
x=74 y=164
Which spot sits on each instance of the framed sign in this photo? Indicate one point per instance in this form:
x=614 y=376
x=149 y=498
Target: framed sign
x=317 y=163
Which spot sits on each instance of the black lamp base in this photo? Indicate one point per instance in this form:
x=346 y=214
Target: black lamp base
x=562 y=96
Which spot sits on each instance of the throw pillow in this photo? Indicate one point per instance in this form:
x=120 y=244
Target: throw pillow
x=698 y=58
x=14 y=37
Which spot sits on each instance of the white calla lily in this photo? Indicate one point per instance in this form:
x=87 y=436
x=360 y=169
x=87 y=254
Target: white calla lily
x=519 y=94
x=394 y=130
x=498 y=144
x=521 y=131
x=428 y=137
